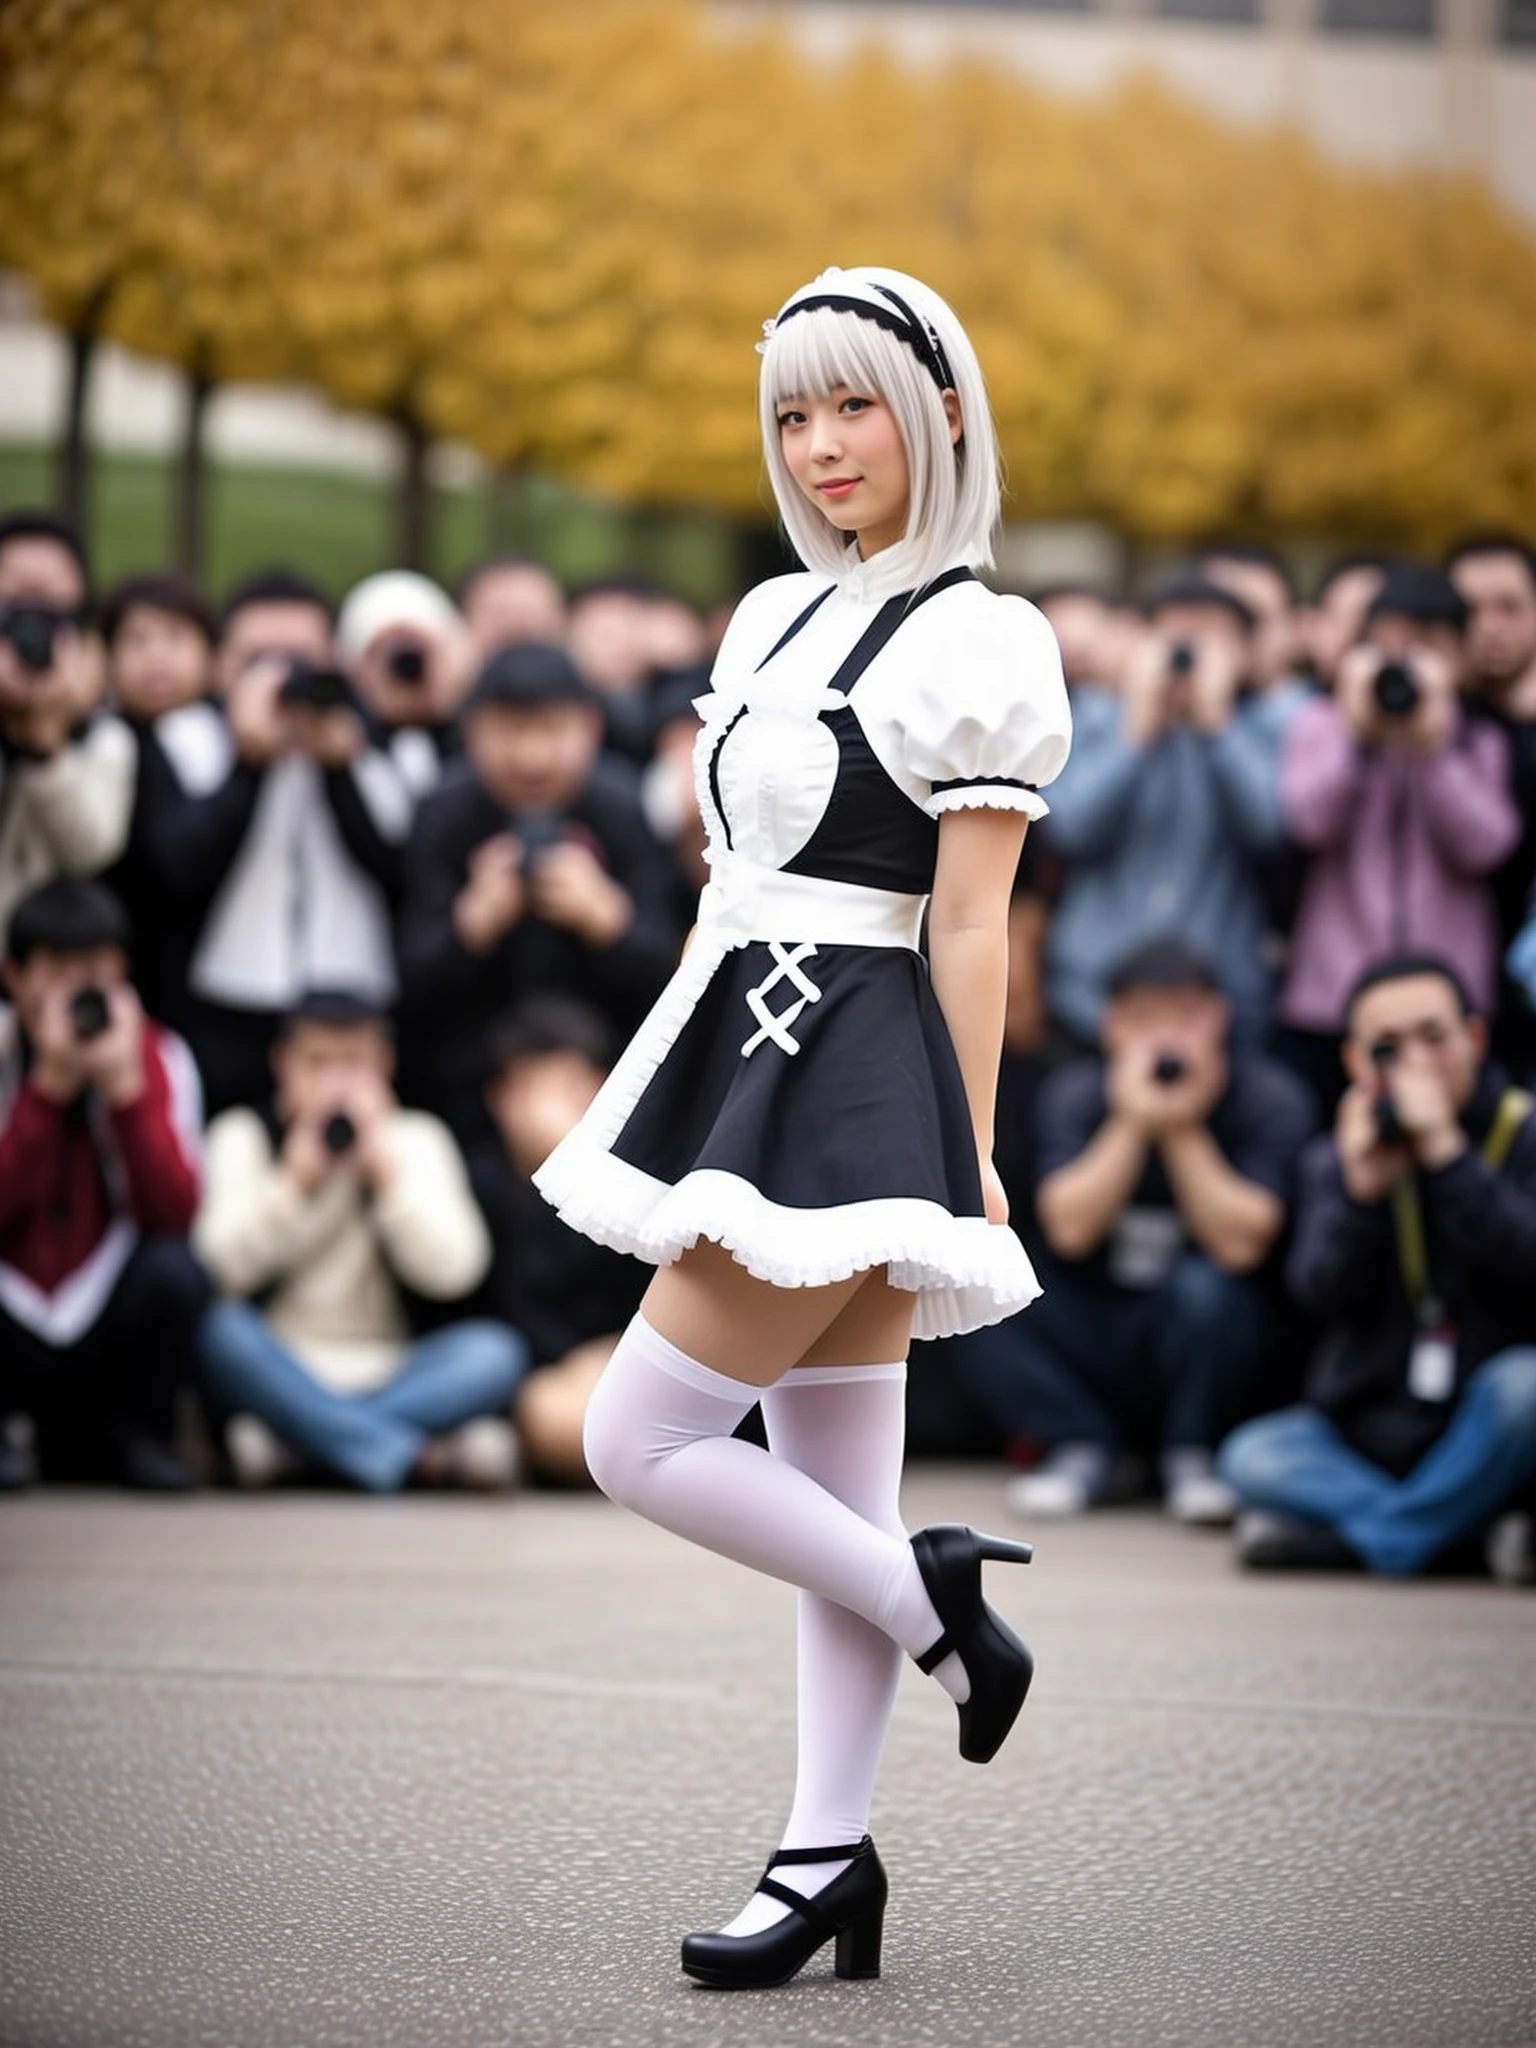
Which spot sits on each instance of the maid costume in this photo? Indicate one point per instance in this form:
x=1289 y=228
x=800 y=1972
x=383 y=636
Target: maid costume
x=794 y=1094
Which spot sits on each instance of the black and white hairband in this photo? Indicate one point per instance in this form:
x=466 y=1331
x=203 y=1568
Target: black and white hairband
x=897 y=317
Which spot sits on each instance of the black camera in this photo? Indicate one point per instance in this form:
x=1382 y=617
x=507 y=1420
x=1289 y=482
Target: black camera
x=308 y=688
x=32 y=630
x=1389 y=1130
x=338 y=1133
x=406 y=664
x=1170 y=1068
x=1182 y=658
x=90 y=1013
x=1397 y=693
x=537 y=832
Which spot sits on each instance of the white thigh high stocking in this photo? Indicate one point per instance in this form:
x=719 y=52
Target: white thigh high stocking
x=658 y=1439
x=845 y=1427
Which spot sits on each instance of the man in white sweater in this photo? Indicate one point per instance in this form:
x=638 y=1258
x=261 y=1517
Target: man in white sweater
x=340 y=1227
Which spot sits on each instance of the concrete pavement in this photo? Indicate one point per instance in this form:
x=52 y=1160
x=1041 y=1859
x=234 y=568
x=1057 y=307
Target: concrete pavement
x=321 y=1772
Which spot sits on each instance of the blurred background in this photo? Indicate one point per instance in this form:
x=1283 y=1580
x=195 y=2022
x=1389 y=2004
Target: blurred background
x=363 y=285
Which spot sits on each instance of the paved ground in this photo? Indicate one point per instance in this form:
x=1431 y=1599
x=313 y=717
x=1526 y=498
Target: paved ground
x=327 y=1773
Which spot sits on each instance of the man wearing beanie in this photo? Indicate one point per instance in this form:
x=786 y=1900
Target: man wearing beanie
x=409 y=658
x=530 y=869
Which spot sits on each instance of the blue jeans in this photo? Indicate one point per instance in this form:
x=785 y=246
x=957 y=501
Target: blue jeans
x=1173 y=1366
x=1296 y=1463
x=468 y=1369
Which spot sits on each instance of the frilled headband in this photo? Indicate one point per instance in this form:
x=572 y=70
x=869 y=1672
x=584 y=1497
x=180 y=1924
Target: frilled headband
x=896 y=317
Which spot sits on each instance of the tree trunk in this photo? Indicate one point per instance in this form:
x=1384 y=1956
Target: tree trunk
x=192 y=472
x=414 y=508
x=72 y=486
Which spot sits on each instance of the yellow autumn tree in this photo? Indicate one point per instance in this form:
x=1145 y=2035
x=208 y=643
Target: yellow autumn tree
x=554 y=233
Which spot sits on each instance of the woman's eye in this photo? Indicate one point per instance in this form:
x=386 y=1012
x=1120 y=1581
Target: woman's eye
x=855 y=405
x=791 y=419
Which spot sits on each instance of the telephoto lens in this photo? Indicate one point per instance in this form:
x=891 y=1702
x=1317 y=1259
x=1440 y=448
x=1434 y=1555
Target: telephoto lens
x=1397 y=694
x=89 y=1013
x=1181 y=659
x=406 y=664
x=338 y=1133
x=1169 y=1068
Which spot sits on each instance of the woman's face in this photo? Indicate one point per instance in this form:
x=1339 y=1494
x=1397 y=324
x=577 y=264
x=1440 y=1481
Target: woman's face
x=845 y=452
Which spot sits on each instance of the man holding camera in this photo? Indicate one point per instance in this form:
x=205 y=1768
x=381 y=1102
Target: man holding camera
x=1404 y=805
x=99 y=1183
x=279 y=844
x=408 y=657
x=531 y=869
x=1165 y=1169
x=66 y=767
x=1415 y=1248
x=1169 y=808
x=342 y=1229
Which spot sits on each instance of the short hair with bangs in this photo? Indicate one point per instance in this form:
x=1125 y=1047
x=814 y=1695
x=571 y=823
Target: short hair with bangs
x=955 y=487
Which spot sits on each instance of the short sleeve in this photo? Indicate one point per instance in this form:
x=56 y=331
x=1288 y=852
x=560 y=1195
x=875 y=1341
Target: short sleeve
x=986 y=722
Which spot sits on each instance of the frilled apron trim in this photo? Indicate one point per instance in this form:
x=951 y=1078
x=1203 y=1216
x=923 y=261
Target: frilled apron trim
x=965 y=1272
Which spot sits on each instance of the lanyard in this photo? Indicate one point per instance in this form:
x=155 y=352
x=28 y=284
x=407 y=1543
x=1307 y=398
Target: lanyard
x=1408 y=1214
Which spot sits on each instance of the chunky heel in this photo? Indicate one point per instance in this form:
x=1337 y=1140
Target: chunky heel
x=997 y=1664
x=858 y=1947
x=849 y=1911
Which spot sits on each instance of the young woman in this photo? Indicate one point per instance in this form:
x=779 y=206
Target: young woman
x=799 y=1137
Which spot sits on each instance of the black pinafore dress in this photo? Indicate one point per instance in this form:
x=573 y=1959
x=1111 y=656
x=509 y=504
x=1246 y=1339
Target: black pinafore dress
x=794 y=1094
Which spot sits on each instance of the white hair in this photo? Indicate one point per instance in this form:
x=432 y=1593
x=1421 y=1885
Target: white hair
x=955 y=490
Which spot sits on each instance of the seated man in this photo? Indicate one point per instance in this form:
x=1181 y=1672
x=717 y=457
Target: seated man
x=1165 y=1170
x=352 y=1222
x=531 y=869
x=569 y=1296
x=99 y=1182
x=1415 y=1248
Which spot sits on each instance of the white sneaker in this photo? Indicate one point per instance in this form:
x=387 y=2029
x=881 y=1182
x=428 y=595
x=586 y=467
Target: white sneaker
x=1067 y=1481
x=483 y=1455
x=260 y=1457
x=1510 y=1548
x=1193 y=1493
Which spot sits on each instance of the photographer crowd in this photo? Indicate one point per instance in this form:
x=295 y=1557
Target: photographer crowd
x=320 y=927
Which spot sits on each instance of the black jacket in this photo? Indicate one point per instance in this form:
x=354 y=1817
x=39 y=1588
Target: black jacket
x=1480 y=1234
x=451 y=998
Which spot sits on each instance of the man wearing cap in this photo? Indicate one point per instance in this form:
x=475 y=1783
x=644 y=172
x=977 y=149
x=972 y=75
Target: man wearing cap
x=1169 y=809
x=1165 y=1170
x=531 y=868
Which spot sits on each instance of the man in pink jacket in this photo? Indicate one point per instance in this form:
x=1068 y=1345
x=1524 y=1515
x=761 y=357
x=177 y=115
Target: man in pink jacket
x=1404 y=804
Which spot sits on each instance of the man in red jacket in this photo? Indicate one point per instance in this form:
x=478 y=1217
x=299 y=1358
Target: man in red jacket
x=99 y=1184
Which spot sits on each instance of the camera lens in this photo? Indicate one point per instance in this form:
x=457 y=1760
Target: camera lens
x=1397 y=694
x=32 y=629
x=1170 y=1068
x=406 y=664
x=1388 y=1130
x=89 y=1013
x=1181 y=659
x=338 y=1134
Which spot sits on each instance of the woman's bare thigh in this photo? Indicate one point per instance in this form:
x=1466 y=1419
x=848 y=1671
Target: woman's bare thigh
x=713 y=1309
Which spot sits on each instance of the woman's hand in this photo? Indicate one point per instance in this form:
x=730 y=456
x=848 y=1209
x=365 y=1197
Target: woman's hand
x=993 y=1194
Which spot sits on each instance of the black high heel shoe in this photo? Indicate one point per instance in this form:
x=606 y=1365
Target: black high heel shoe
x=998 y=1665
x=849 y=1910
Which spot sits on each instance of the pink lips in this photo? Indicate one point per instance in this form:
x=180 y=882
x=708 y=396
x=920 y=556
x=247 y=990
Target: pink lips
x=839 y=487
